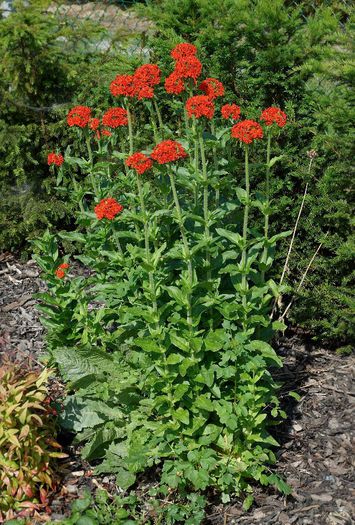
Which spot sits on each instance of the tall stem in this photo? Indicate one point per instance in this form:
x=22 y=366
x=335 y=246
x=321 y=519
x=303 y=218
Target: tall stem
x=245 y=229
x=215 y=160
x=146 y=242
x=130 y=129
x=160 y=120
x=205 y=204
x=154 y=122
x=92 y=176
x=267 y=193
x=186 y=247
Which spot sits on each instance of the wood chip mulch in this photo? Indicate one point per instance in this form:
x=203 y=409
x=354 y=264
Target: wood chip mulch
x=316 y=456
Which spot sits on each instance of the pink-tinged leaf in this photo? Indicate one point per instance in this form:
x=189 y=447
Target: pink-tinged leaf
x=29 y=505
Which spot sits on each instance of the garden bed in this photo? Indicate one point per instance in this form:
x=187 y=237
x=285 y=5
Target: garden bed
x=315 y=456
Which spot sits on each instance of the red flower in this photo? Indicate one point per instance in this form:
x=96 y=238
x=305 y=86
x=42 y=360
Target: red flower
x=108 y=208
x=274 y=115
x=230 y=111
x=212 y=87
x=247 y=131
x=53 y=158
x=139 y=162
x=168 y=151
x=148 y=74
x=144 y=92
x=60 y=273
x=189 y=67
x=115 y=117
x=79 y=116
x=103 y=133
x=94 y=123
x=200 y=106
x=123 y=85
x=174 y=84
x=183 y=50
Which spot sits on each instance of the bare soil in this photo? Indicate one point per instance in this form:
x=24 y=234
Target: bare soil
x=317 y=440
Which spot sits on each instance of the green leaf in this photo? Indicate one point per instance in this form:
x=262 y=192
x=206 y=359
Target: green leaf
x=274 y=160
x=204 y=402
x=242 y=195
x=265 y=350
x=247 y=503
x=182 y=415
x=185 y=365
x=148 y=345
x=235 y=238
x=125 y=479
x=77 y=363
x=279 y=484
x=72 y=236
x=173 y=359
x=214 y=341
x=295 y=395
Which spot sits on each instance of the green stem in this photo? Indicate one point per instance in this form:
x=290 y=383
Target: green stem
x=215 y=160
x=267 y=193
x=205 y=204
x=154 y=122
x=146 y=242
x=186 y=247
x=92 y=176
x=196 y=161
x=245 y=229
x=160 y=120
x=130 y=129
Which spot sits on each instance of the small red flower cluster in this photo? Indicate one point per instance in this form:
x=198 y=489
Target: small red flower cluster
x=274 y=115
x=140 y=85
x=60 y=271
x=200 y=106
x=247 y=131
x=168 y=151
x=79 y=116
x=212 y=87
x=140 y=162
x=108 y=209
x=115 y=117
x=230 y=111
x=54 y=158
x=187 y=65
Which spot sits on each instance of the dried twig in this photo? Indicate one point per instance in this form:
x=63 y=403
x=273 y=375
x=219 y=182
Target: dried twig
x=302 y=280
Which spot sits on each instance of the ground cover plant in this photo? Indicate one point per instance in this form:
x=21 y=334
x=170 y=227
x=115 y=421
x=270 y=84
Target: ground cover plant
x=164 y=336
x=27 y=441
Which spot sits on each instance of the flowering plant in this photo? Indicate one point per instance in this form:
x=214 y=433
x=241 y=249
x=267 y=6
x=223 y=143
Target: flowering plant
x=171 y=317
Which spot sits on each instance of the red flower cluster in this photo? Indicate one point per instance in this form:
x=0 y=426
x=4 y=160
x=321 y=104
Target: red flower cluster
x=79 y=116
x=54 y=158
x=200 y=106
x=212 y=87
x=187 y=65
x=139 y=162
x=122 y=85
x=140 y=84
x=174 y=84
x=115 y=117
x=274 y=115
x=183 y=50
x=247 y=131
x=230 y=111
x=168 y=151
x=94 y=123
x=60 y=271
x=108 y=209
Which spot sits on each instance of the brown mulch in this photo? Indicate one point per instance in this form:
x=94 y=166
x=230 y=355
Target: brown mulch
x=317 y=440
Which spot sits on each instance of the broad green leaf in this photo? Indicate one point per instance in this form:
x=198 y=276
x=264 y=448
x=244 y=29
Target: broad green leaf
x=182 y=415
x=214 y=341
x=234 y=237
x=173 y=359
x=148 y=345
x=265 y=350
x=125 y=479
